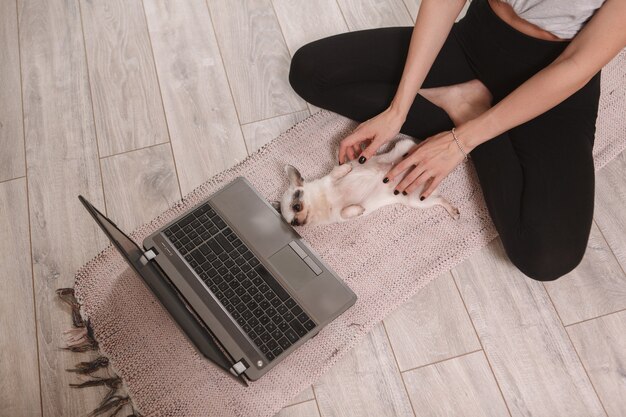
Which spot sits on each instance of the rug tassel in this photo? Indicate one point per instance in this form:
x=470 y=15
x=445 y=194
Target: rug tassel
x=67 y=296
x=116 y=401
x=109 y=382
x=87 y=368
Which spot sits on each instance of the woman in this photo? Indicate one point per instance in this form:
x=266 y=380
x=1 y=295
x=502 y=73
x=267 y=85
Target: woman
x=519 y=81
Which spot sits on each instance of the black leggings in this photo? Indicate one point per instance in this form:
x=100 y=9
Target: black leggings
x=537 y=178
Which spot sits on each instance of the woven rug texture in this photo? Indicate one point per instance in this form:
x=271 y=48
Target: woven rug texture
x=385 y=258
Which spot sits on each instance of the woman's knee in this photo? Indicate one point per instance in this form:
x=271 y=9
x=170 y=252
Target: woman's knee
x=303 y=72
x=543 y=257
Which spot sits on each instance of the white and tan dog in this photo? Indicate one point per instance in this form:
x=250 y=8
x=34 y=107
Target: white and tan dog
x=351 y=190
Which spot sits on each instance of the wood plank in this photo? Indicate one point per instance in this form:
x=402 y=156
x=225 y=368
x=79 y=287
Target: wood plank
x=19 y=379
x=204 y=130
x=365 y=382
x=305 y=409
x=139 y=185
x=597 y=286
x=609 y=211
x=367 y=14
x=532 y=358
x=12 y=163
x=126 y=98
x=305 y=395
x=462 y=386
x=256 y=59
x=600 y=344
x=62 y=162
x=258 y=134
x=432 y=326
x=298 y=26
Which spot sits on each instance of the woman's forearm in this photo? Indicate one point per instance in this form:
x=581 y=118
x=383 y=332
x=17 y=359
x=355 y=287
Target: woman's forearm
x=599 y=41
x=432 y=26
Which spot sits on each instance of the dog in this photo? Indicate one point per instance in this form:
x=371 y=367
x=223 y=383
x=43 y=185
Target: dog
x=351 y=190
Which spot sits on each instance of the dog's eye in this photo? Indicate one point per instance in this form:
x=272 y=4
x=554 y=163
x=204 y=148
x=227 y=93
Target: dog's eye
x=297 y=207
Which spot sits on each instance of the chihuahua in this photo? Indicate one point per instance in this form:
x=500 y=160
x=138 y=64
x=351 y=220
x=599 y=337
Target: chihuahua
x=351 y=190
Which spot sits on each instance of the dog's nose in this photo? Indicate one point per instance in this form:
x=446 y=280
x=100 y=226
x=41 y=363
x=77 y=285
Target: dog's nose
x=294 y=222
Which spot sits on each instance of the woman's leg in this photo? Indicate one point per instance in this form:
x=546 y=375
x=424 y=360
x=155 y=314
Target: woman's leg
x=356 y=74
x=538 y=182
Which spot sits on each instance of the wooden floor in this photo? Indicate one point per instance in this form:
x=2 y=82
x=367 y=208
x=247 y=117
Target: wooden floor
x=133 y=103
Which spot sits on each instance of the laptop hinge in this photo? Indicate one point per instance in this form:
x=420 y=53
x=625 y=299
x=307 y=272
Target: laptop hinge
x=148 y=256
x=239 y=368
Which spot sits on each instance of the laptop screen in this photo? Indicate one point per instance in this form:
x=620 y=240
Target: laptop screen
x=162 y=290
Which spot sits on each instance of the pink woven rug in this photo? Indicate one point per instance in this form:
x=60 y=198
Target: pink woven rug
x=385 y=258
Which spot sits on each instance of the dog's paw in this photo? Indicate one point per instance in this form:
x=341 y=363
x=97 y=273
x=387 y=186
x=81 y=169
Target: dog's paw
x=351 y=211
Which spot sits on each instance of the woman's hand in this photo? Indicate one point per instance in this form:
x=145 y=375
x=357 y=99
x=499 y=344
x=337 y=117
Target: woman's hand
x=375 y=132
x=434 y=157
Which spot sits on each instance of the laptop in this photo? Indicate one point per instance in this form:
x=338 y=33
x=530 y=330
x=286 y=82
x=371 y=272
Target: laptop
x=238 y=280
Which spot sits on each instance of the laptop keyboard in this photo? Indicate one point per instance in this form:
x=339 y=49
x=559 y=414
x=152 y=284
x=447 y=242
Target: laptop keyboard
x=259 y=304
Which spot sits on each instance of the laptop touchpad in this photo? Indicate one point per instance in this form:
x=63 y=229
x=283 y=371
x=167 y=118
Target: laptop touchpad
x=295 y=271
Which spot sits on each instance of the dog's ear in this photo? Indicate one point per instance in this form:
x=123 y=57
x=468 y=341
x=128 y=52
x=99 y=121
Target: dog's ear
x=294 y=175
x=276 y=205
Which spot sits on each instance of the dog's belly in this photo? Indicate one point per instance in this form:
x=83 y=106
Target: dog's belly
x=364 y=186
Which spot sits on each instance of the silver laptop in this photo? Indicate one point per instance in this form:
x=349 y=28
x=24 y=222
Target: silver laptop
x=239 y=281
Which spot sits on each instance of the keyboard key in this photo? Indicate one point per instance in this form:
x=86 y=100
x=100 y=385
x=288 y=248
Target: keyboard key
x=284 y=342
x=276 y=334
x=277 y=351
x=290 y=303
x=224 y=242
x=184 y=222
x=253 y=262
x=266 y=337
x=271 y=281
x=215 y=246
x=297 y=327
x=248 y=255
x=292 y=336
x=270 y=356
x=296 y=310
x=272 y=344
x=309 y=325
x=265 y=349
x=205 y=249
x=274 y=300
x=303 y=317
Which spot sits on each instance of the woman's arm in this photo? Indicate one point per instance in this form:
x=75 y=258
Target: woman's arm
x=594 y=46
x=432 y=26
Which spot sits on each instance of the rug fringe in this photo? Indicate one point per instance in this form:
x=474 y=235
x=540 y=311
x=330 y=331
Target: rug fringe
x=80 y=338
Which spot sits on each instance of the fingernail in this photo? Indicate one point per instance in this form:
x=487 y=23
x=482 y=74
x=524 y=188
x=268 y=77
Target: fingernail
x=405 y=154
x=404 y=192
x=422 y=198
x=361 y=159
x=385 y=180
x=396 y=192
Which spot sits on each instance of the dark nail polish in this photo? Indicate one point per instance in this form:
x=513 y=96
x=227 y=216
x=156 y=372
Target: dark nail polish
x=361 y=159
x=421 y=198
x=385 y=180
x=396 y=192
x=405 y=154
x=404 y=192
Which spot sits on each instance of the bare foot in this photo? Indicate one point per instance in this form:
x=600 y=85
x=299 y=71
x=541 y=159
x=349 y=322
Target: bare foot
x=462 y=102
